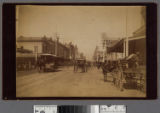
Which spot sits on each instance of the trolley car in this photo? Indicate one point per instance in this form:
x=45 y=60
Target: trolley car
x=50 y=62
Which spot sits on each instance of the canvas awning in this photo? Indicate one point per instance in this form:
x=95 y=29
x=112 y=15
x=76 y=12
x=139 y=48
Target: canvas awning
x=118 y=47
x=25 y=55
x=21 y=50
x=47 y=54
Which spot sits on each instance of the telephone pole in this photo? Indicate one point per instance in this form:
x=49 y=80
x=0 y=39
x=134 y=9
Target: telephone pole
x=57 y=42
x=127 y=43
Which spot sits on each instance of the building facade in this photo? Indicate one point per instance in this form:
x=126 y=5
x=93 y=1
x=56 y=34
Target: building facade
x=45 y=45
x=37 y=44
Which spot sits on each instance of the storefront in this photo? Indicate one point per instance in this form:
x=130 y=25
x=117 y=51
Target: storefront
x=138 y=44
x=135 y=44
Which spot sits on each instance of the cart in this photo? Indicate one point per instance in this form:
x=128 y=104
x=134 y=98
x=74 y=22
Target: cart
x=80 y=64
x=135 y=77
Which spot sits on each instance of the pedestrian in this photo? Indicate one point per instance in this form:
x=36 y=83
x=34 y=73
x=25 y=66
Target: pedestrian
x=86 y=65
x=40 y=64
x=114 y=74
x=121 y=78
x=83 y=66
x=137 y=59
x=75 y=66
x=104 y=70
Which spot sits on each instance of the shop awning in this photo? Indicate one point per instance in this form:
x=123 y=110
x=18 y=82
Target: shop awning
x=118 y=47
x=25 y=55
x=21 y=50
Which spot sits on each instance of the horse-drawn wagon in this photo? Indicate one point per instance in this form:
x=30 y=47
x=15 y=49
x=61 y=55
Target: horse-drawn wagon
x=128 y=76
x=80 y=64
x=133 y=74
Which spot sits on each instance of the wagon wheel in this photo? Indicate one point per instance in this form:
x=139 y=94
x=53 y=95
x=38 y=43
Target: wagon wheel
x=140 y=81
x=142 y=85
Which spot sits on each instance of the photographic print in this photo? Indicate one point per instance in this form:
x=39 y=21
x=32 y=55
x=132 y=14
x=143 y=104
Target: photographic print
x=80 y=51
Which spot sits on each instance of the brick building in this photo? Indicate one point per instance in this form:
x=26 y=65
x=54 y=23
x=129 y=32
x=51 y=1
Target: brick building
x=42 y=45
x=37 y=44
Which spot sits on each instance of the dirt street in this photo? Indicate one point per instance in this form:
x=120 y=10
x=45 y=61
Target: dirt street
x=66 y=83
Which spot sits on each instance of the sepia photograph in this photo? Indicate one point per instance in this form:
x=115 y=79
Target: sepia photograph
x=81 y=51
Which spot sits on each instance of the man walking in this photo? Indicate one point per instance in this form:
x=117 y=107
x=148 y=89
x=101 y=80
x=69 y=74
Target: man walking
x=104 y=69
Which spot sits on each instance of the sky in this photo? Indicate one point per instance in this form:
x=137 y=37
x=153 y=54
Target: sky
x=81 y=25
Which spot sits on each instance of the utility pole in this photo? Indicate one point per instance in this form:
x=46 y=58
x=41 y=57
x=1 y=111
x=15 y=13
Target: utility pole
x=127 y=43
x=56 y=47
x=124 y=48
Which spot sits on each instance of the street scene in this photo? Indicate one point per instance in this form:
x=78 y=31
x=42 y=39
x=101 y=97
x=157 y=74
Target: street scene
x=80 y=51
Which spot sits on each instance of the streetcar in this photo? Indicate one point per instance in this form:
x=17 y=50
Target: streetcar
x=49 y=62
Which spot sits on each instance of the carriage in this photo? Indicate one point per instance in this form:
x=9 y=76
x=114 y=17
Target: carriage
x=80 y=64
x=126 y=75
x=135 y=77
x=131 y=76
